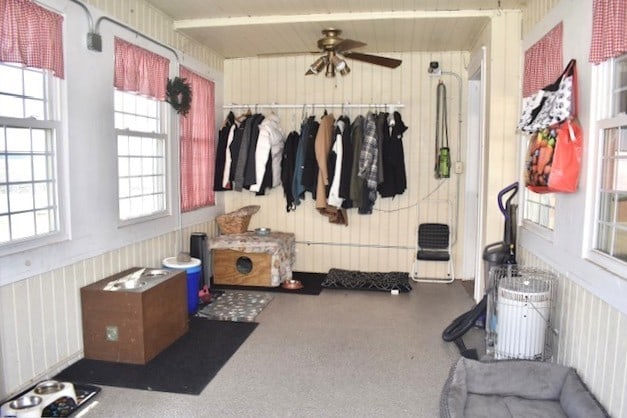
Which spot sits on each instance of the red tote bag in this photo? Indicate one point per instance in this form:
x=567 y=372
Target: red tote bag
x=554 y=158
x=554 y=154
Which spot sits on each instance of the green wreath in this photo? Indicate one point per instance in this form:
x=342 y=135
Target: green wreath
x=179 y=95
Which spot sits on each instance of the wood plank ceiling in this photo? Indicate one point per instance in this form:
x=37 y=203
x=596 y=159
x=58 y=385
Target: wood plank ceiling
x=244 y=28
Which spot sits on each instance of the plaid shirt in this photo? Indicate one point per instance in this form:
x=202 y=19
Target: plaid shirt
x=368 y=157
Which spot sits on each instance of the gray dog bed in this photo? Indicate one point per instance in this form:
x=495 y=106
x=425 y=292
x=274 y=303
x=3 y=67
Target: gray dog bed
x=516 y=388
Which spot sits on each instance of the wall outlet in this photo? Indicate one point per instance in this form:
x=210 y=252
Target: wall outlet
x=112 y=333
x=459 y=167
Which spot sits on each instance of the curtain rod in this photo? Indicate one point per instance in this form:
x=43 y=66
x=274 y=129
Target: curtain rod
x=312 y=105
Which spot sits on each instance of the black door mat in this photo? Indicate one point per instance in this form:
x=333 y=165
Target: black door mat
x=359 y=280
x=186 y=366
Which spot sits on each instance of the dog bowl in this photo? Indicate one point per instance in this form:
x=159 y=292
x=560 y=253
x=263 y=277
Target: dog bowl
x=262 y=232
x=155 y=273
x=25 y=402
x=292 y=284
x=130 y=284
x=49 y=386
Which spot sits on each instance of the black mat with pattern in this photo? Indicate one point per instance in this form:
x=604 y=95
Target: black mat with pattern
x=359 y=280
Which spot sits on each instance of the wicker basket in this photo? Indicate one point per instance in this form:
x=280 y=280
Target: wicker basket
x=237 y=221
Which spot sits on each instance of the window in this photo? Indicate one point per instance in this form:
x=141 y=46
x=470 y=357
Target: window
x=29 y=128
x=542 y=65
x=609 y=238
x=141 y=155
x=540 y=209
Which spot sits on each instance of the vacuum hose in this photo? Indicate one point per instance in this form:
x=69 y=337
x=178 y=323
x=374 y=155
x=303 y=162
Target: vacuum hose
x=462 y=324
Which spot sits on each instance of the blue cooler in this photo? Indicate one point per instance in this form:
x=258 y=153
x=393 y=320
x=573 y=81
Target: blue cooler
x=193 y=268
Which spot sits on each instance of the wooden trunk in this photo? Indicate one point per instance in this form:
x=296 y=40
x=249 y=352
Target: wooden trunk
x=133 y=326
x=239 y=268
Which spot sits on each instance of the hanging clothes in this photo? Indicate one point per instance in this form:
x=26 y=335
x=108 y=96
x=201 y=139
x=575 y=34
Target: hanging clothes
x=335 y=165
x=310 y=169
x=298 y=190
x=381 y=119
x=368 y=165
x=221 y=151
x=323 y=143
x=250 y=169
x=269 y=145
x=226 y=180
x=235 y=147
x=356 y=182
x=288 y=168
x=395 y=178
x=347 y=164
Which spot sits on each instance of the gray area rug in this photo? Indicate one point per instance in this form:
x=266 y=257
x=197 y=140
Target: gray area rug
x=238 y=306
x=352 y=279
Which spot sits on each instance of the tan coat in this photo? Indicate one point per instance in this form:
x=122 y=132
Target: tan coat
x=323 y=143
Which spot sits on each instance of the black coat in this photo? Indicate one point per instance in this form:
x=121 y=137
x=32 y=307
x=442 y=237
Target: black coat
x=221 y=151
x=394 y=175
x=288 y=168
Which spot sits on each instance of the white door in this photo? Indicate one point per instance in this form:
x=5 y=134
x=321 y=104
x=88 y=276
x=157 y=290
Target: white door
x=472 y=265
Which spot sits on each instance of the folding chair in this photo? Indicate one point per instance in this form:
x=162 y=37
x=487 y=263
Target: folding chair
x=433 y=244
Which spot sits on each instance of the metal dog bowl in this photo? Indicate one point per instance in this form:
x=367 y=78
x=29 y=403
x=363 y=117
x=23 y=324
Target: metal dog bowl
x=155 y=273
x=25 y=402
x=262 y=232
x=130 y=284
x=49 y=386
x=292 y=284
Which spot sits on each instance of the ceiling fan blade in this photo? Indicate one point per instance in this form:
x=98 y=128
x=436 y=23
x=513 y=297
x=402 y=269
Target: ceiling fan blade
x=347 y=44
x=309 y=72
x=374 y=59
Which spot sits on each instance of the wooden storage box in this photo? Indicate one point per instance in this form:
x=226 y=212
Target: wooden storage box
x=133 y=326
x=232 y=267
x=253 y=259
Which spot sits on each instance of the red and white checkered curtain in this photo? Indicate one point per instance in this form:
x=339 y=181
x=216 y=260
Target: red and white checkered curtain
x=543 y=61
x=198 y=144
x=31 y=35
x=609 y=30
x=140 y=71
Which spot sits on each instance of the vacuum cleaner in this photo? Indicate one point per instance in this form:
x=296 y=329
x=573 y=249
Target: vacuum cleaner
x=495 y=254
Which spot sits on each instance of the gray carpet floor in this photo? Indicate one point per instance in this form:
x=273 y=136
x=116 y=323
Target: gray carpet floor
x=344 y=353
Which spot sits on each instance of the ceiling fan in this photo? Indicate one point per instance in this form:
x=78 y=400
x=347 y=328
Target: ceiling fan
x=336 y=49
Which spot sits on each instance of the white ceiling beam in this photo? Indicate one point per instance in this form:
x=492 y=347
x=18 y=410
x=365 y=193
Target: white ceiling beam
x=325 y=17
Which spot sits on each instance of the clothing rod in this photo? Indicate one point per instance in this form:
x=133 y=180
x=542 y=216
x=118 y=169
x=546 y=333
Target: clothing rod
x=343 y=244
x=312 y=105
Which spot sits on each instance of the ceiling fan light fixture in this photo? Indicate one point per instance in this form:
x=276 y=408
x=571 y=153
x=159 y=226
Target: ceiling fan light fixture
x=345 y=70
x=319 y=64
x=330 y=70
x=338 y=62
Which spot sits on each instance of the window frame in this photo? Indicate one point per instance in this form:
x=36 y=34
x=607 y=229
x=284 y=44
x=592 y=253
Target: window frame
x=164 y=135
x=595 y=255
x=537 y=228
x=603 y=118
x=53 y=121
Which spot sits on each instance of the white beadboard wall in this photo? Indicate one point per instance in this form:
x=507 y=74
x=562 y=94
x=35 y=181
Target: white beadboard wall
x=592 y=339
x=152 y=22
x=40 y=317
x=363 y=243
x=43 y=313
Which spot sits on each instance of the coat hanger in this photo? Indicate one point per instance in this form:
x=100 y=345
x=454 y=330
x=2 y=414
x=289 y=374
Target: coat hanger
x=244 y=115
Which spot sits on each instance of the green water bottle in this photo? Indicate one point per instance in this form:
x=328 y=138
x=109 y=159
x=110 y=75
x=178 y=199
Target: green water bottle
x=445 y=163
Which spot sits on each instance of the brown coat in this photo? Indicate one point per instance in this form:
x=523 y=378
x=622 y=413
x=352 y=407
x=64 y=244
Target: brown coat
x=323 y=144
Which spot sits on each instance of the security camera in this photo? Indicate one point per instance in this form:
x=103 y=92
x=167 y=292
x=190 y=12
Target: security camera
x=434 y=68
